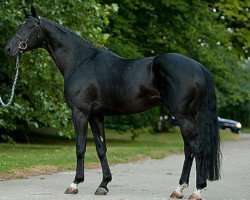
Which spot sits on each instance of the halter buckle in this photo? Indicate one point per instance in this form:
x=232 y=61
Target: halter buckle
x=22 y=45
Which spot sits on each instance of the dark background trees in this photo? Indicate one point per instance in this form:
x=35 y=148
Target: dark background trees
x=215 y=33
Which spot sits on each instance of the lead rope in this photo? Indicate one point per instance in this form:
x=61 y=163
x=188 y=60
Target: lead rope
x=13 y=86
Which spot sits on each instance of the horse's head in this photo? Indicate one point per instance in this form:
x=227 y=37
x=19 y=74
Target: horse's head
x=28 y=36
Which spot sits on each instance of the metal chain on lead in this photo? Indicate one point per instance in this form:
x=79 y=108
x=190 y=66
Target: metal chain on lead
x=13 y=87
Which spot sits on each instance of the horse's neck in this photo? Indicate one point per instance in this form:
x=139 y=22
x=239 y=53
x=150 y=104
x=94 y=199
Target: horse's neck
x=67 y=50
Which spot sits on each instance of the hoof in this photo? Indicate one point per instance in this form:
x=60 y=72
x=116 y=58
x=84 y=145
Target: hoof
x=71 y=190
x=194 y=197
x=101 y=191
x=176 y=195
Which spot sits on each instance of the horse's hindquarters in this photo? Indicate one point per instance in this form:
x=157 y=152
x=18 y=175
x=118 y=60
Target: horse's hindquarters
x=181 y=83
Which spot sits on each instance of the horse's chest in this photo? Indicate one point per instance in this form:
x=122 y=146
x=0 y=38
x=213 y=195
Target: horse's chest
x=84 y=96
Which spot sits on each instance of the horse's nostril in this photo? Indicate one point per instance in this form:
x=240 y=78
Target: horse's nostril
x=7 y=49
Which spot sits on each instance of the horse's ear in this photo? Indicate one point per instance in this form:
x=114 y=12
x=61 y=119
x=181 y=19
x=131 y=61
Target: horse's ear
x=33 y=12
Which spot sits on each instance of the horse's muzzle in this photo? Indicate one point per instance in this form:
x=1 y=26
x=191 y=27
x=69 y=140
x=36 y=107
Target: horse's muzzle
x=11 y=52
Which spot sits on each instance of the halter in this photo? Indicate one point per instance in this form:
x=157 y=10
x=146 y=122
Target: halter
x=23 y=44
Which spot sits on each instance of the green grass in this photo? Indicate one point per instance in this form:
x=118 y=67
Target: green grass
x=22 y=160
x=245 y=130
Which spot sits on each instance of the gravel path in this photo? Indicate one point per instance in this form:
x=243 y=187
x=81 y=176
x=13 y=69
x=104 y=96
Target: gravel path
x=144 y=180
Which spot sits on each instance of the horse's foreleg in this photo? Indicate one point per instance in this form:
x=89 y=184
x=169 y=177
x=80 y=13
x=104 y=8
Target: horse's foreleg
x=96 y=123
x=80 y=122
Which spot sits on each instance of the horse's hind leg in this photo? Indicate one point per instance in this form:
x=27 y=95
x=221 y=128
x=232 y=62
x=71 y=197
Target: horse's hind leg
x=201 y=176
x=193 y=149
x=189 y=157
x=188 y=90
x=186 y=128
x=96 y=123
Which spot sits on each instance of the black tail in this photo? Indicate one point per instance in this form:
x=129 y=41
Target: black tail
x=208 y=131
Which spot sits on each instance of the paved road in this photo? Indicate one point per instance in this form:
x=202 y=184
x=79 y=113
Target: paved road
x=145 y=180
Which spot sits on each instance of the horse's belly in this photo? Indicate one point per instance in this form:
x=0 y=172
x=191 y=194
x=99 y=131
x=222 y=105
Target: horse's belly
x=131 y=104
x=125 y=110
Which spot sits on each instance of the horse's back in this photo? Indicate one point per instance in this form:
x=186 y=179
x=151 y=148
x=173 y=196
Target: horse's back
x=181 y=83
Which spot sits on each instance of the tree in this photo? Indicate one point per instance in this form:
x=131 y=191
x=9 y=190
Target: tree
x=235 y=15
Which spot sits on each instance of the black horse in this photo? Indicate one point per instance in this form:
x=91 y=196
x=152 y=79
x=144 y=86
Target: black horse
x=98 y=83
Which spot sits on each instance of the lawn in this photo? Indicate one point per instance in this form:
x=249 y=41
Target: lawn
x=245 y=130
x=21 y=160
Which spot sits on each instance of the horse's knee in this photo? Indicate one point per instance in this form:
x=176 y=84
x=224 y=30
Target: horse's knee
x=80 y=154
x=80 y=150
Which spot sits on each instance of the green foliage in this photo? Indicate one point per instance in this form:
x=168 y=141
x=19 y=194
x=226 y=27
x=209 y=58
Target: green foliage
x=7 y=139
x=235 y=15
